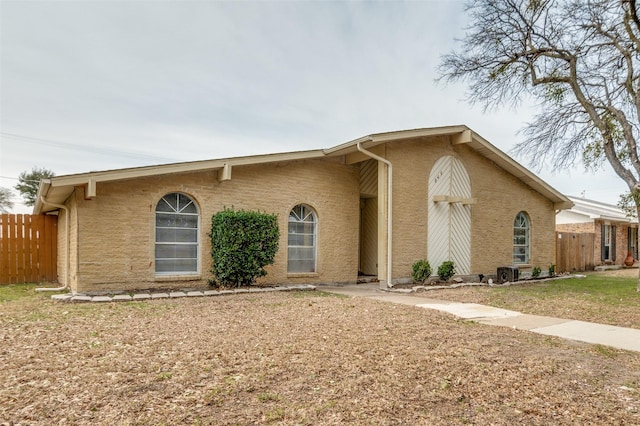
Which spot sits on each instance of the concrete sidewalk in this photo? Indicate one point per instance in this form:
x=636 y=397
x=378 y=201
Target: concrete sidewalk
x=589 y=332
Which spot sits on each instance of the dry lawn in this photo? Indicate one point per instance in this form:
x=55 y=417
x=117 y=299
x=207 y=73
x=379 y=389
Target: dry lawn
x=303 y=358
x=620 y=306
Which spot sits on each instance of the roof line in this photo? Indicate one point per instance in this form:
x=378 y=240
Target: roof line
x=475 y=141
x=192 y=166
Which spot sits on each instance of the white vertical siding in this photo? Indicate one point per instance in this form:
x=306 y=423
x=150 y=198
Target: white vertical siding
x=460 y=229
x=449 y=230
x=438 y=219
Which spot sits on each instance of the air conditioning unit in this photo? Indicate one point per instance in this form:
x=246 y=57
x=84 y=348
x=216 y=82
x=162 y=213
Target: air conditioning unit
x=507 y=274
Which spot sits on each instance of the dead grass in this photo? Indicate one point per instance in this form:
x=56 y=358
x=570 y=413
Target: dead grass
x=296 y=358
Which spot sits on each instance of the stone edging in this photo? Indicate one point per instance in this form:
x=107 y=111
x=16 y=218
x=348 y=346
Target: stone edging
x=79 y=297
x=420 y=288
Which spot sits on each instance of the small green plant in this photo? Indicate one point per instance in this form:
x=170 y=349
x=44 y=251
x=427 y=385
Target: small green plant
x=606 y=351
x=446 y=270
x=421 y=271
x=242 y=244
x=268 y=397
x=535 y=272
x=552 y=270
x=165 y=375
x=275 y=415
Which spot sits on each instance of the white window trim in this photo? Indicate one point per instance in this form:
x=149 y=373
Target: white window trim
x=313 y=213
x=165 y=276
x=607 y=241
x=527 y=244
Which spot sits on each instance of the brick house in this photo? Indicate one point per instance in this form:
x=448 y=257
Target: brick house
x=370 y=206
x=615 y=235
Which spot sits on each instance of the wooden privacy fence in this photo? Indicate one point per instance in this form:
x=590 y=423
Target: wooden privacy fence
x=574 y=251
x=28 y=248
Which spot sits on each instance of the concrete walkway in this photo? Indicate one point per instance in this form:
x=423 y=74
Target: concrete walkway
x=589 y=332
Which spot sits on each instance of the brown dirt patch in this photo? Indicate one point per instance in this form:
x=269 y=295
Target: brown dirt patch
x=296 y=358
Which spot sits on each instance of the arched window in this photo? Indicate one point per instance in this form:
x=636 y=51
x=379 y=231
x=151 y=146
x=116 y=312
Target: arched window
x=177 y=223
x=521 y=230
x=302 y=240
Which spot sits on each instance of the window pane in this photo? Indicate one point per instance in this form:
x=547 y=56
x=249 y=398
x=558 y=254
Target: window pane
x=176 y=265
x=168 y=203
x=301 y=228
x=169 y=220
x=301 y=240
x=301 y=253
x=176 y=235
x=520 y=240
x=301 y=266
x=186 y=205
x=296 y=240
x=166 y=251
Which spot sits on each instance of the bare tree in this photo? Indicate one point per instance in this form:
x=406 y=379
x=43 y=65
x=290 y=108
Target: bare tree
x=5 y=200
x=578 y=59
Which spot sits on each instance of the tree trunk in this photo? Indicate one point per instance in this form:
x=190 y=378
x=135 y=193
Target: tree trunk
x=638 y=216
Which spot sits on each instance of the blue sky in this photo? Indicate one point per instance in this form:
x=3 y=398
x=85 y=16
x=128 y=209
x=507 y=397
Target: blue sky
x=95 y=85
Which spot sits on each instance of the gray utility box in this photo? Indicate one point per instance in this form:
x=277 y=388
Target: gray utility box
x=507 y=274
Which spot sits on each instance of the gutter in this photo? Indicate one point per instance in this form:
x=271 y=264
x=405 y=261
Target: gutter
x=389 y=205
x=66 y=235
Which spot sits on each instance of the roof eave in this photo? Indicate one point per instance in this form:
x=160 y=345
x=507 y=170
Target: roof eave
x=64 y=185
x=374 y=139
x=186 y=167
x=43 y=189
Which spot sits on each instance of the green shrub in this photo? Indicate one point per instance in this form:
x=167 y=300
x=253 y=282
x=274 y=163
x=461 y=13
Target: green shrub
x=421 y=271
x=535 y=272
x=446 y=270
x=242 y=244
x=552 y=270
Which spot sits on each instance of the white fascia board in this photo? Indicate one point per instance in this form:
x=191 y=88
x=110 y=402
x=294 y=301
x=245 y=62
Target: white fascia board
x=43 y=189
x=618 y=219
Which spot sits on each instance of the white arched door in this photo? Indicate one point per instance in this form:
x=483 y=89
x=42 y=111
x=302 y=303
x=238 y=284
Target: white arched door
x=449 y=230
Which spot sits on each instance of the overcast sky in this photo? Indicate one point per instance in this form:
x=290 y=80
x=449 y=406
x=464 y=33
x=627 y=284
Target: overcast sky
x=96 y=85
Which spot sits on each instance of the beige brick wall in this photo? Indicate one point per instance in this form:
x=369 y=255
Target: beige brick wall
x=585 y=227
x=116 y=228
x=500 y=196
x=112 y=235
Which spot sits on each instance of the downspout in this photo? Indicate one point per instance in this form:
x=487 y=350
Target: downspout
x=66 y=234
x=389 y=207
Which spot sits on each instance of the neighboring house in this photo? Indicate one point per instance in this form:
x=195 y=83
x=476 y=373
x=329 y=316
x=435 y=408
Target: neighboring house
x=372 y=206
x=615 y=235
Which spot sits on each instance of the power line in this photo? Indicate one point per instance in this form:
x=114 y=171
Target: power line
x=88 y=148
x=14 y=178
